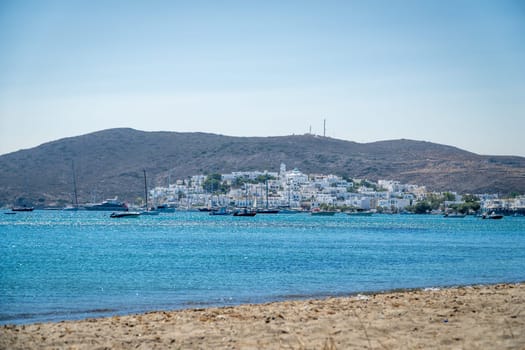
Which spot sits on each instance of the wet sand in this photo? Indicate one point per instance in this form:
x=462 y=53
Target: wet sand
x=478 y=317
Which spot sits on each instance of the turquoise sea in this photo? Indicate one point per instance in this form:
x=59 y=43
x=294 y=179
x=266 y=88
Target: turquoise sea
x=57 y=265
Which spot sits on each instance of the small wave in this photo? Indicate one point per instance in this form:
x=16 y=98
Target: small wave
x=21 y=318
x=198 y=303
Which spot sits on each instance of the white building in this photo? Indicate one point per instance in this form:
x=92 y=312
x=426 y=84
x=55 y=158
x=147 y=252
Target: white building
x=397 y=203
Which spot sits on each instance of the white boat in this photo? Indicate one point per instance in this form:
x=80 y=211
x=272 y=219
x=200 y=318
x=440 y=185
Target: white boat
x=454 y=215
x=492 y=216
x=70 y=208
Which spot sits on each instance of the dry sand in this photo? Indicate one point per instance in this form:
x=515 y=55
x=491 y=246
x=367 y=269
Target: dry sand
x=479 y=317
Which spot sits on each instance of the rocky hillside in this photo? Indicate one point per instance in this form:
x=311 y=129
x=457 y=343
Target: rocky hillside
x=110 y=162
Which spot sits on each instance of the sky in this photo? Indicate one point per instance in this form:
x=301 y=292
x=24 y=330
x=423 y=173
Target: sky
x=446 y=71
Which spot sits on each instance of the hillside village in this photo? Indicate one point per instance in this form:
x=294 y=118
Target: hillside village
x=44 y=176
x=294 y=189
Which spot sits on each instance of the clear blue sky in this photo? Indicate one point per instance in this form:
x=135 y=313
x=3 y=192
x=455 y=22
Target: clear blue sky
x=450 y=72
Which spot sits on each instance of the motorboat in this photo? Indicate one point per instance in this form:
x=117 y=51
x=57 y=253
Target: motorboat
x=108 y=205
x=492 y=216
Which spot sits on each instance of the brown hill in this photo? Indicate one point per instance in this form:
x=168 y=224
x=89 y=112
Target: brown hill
x=110 y=162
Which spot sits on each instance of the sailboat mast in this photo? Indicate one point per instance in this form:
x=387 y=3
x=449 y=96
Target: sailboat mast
x=145 y=189
x=266 y=191
x=74 y=183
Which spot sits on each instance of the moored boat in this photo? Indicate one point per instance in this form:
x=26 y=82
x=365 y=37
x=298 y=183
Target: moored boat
x=221 y=211
x=71 y=208
x=150 y=212
x=319 y=212
x=24 y=208
x=454 y=215
x=492 y=216
x=125 y=214
x=244 y=212
x=146 y=211
x=165 y=208
x=205 y=209
x=360 y=213
x=291 y=211
x=267 y=211
x=108 y=205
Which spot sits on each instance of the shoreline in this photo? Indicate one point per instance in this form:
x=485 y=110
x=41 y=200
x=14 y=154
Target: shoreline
x=476 y=316
x=108 y=312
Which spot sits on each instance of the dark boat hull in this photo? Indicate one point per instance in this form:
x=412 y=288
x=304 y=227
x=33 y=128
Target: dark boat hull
x=22 y=209
x=108 y=208
x=323 y=213
x=245 y=212
x=127 y=214
x=267 y=211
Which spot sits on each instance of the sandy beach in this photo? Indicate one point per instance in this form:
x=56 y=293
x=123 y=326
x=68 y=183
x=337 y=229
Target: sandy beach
x=476 y=317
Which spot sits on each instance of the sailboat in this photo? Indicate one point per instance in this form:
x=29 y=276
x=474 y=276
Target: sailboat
x=288 y=209
x=267 y=210
x=245 y=211
x=147 y=210
x=74 y=206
